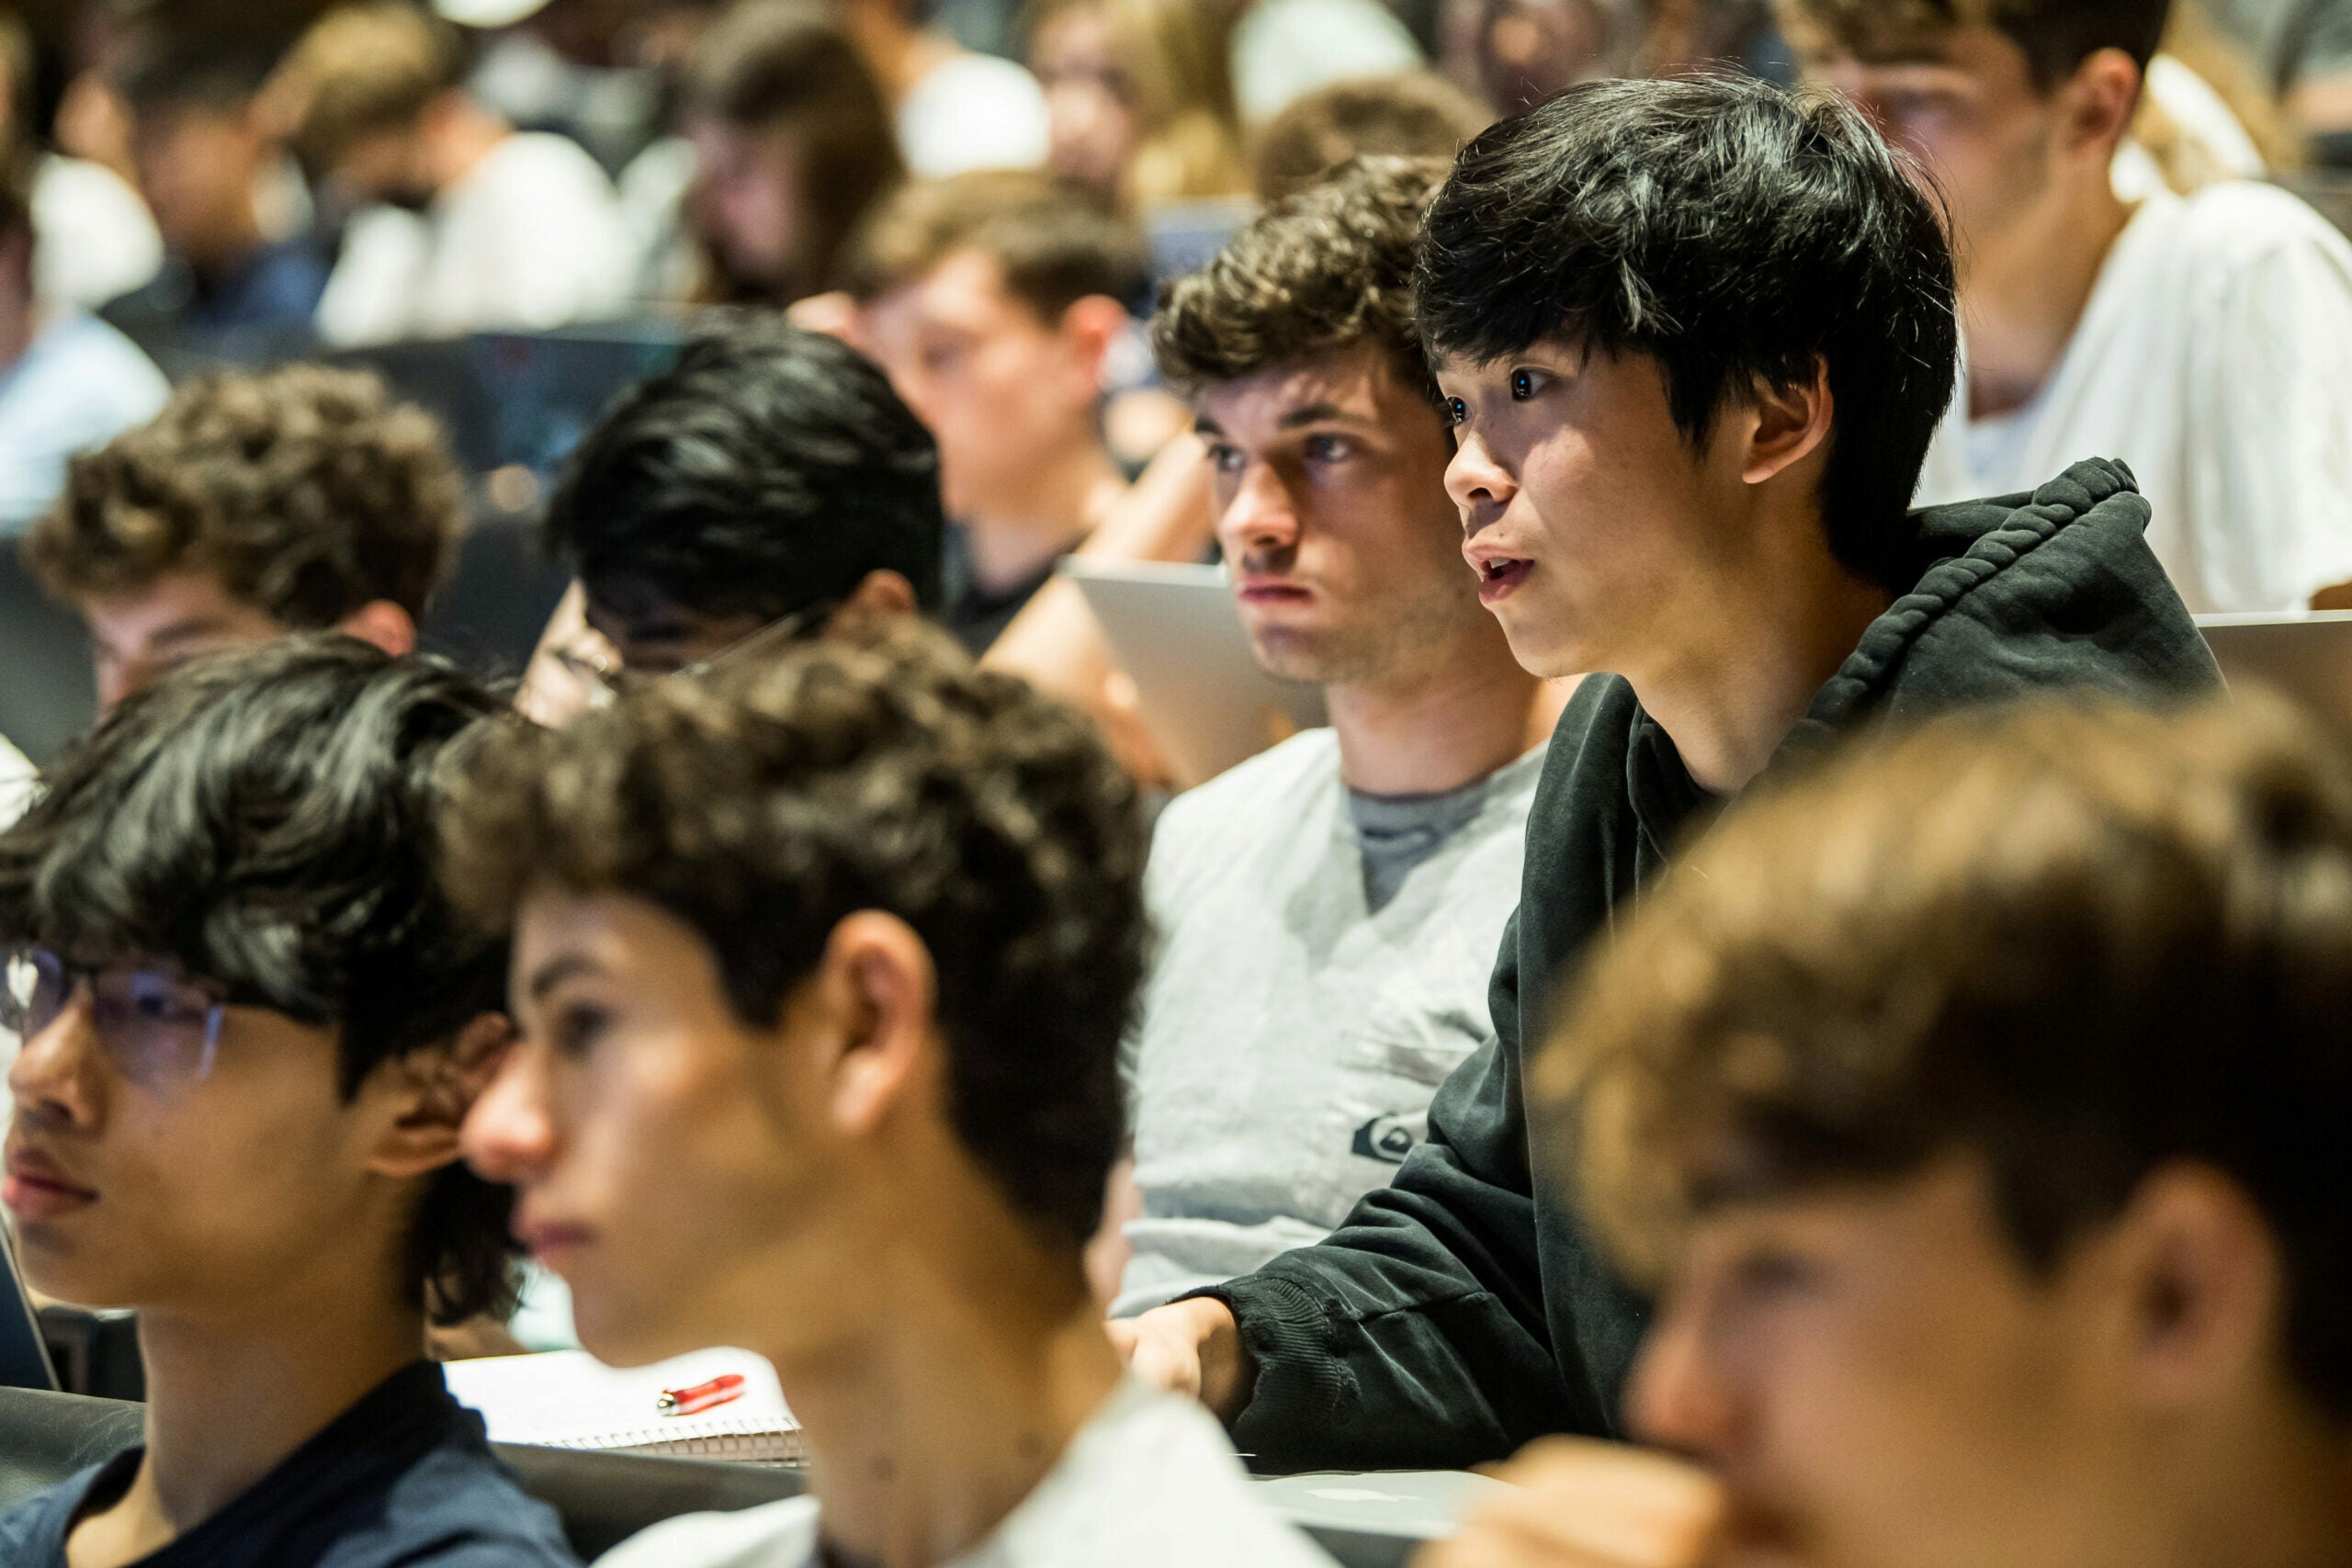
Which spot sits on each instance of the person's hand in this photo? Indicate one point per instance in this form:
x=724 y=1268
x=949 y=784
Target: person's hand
x=1573 y=1503
x=1192 y=1347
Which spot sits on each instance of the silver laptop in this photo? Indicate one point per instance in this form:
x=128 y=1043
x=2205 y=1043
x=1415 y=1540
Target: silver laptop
x=1206 y=701
x=2307 y=658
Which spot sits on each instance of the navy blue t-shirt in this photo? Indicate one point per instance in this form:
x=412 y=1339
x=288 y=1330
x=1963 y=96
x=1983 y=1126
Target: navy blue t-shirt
x=405 y=1477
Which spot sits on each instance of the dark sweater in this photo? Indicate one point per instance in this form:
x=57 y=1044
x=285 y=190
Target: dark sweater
x=403 y=1479
x=1462 y=1311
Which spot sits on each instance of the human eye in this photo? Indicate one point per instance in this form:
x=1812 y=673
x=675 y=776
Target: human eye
x=1526 y=383
x=1457 y=413
x=573 y=1028
x=1224 y=459
x=1772 y=1273
x=1329 y=448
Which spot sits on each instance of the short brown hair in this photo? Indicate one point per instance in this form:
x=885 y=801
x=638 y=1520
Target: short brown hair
x=767 y=802
x=2057 y=36
x=2080 y=943
x=364 y=70
x=789 y=65
x=1053 y=246
x=1416 y=114
x=308 y=491
x=1319 y=273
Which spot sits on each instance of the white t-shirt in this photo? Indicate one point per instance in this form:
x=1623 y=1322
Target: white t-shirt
x=15 y=783
x=79 y=386
x=1322 y=965
x=1150 y=1482
x=533 y=238
x=972 y=111
x=95 y=240
x=1284 y=49
x=2210 y=357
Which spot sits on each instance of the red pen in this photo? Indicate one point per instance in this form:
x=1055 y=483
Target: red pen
x=694 y=1401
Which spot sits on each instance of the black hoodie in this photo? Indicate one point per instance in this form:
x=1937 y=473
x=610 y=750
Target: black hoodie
x=1461 y=1311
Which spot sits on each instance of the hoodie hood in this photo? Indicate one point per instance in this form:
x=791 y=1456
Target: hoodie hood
x=2017 y=595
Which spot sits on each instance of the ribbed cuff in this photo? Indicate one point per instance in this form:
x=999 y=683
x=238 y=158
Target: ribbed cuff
x=1295 y=1339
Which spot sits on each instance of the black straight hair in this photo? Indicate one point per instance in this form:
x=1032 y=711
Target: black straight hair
x=1737 y=235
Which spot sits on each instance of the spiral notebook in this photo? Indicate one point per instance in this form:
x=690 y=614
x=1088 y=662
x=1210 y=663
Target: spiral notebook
x=567 y=1399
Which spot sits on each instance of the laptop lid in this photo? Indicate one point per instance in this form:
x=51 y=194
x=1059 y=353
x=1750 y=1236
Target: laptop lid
x=2307 y=658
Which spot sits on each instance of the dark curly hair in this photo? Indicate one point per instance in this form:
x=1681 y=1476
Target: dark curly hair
x=1734 y=233
x=763 y=804
x=266 y=820
x=309 y=492
x=1314 y=275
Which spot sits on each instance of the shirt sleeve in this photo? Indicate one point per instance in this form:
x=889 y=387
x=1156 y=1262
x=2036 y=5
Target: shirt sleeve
x=2269 y=444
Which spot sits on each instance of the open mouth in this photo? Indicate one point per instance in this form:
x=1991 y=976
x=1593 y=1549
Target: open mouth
x=1499 y=579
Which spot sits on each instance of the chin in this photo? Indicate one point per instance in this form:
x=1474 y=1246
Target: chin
x=623 y=1338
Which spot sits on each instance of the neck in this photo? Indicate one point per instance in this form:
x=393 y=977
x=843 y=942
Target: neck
x=1774 y=626
x=976 y=1356
x=229 y=1398
x=2022 y=296
x=239 y=238
x=1059 y=505
x=1422 y=734
x=2275 y=1493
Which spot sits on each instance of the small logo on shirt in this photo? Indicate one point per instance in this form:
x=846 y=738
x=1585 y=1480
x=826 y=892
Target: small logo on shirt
x=1387 y=1139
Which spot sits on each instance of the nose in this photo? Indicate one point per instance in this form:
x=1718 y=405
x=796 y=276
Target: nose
x=509 y=1135
x=1677 y=1397
x=1260 y=517
x=54 y=1077
x=1481 y=487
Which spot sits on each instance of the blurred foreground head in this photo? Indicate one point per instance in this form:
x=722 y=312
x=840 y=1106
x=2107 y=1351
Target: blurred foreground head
x=1977 y=1105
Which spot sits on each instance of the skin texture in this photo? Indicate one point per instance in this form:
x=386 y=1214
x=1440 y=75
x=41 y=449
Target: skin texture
x=1091 y=127
x=1342 y=548
x=1872 y=1376
x=796 y=1189
x=140 y=634
x=197 y=169
x=255 y=1220
x=1011 y=397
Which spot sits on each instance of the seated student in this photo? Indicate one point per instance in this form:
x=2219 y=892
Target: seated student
x=1326 y=912
x=467 y=224
x=2193 y=339
x=821 y=966
x=297 y=499
x=1694 y=336
x=250 y=1034
x=995 y=300
x=1995 y=1190
x=68 y=381
x=767 y=486
x=792 y=145
x=203 y=150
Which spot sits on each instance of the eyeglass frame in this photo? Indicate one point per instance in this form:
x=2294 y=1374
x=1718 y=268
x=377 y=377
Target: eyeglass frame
x=74 y=980
x=607 y=681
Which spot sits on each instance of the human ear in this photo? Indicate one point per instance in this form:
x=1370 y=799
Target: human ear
x=432 y=1091
x=880 y=593
x=1091 y=326
x=384 y=624
x=2095 y=107
x=879 y=990
x=1791 y=425
x=2202 y=1271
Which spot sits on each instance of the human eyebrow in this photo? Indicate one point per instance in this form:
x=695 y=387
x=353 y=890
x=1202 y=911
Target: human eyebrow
x=556 y=971
x=1321 y=413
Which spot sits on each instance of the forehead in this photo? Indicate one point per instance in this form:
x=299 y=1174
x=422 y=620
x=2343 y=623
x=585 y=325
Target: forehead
x=179 y=602
x=1355 y=384
x=561 y=932
x=966 y=288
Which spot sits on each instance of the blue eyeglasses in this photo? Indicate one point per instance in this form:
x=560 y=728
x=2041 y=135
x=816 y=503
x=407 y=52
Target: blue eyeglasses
x=153 y=1025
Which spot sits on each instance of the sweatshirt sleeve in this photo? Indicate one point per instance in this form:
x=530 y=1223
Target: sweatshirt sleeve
x=1415 y=1335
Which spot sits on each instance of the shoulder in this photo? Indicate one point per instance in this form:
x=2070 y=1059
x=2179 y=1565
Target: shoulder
x=531 y=160
x=458 y=1506
x=972 y=78
x=1272 y=787
x=85 y=368
x=1152 y=1483
x=774 y=1535
x=32 y=1533
x=2239 y=223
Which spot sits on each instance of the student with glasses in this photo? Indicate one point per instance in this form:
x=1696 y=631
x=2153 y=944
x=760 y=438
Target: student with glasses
x=769 y=486
x=251 y=1026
